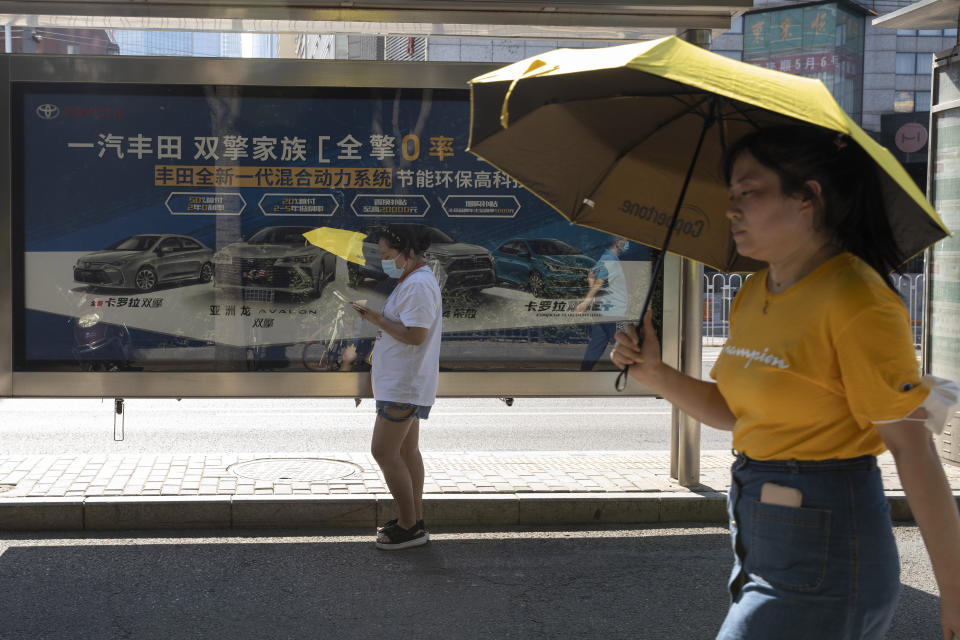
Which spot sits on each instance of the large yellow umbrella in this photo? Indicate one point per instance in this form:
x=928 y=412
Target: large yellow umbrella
x=629 y=140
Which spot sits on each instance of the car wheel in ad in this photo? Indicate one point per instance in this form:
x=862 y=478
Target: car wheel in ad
x=320 y=281
x=206 y=272
x=146 y=279
x=536 y=284
x=353 y=275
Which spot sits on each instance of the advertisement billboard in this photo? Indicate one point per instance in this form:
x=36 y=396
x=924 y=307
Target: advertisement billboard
x=158 y=228
x=820 y=40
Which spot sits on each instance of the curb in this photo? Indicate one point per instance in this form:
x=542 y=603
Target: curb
x=365 y=511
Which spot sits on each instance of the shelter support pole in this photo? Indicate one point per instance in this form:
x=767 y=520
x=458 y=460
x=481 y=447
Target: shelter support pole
x=683 y=278
x=699 y=37
x=682 y=319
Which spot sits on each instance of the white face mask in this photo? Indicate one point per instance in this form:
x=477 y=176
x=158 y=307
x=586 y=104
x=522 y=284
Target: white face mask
x=391 y=268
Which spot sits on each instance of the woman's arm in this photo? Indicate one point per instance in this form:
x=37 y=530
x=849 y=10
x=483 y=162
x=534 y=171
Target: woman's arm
x=407 y=335
x=934 y=508
x=595 y=285
x=697 y=398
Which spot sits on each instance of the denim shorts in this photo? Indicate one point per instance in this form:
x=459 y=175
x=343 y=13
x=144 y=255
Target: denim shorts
x=827 y=569
x=421 y=412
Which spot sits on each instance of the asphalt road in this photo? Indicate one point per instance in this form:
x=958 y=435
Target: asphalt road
x=635 y=583
x=85 y=426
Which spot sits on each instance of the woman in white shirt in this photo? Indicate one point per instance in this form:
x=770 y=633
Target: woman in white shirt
x=406 y=364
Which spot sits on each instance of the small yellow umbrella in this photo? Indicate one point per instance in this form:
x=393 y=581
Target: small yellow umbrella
x=340 y=242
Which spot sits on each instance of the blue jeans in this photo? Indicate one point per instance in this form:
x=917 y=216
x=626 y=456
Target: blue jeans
x=828 y=569
x=415 y=410
x=601 y=335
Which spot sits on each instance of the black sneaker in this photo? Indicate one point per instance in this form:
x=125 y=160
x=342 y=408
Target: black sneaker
x=397 y=537
x=389 y=524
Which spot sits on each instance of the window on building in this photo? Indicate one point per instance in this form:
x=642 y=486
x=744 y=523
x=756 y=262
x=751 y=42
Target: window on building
x=950 y=32
x=906 y=32
x=914 y=63
x=904 y=101
x=910 y=101
x=929 y=32
x=906 y=63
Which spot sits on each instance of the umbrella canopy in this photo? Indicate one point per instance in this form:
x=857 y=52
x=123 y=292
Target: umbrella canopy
x=628 y=139
x=340 y=242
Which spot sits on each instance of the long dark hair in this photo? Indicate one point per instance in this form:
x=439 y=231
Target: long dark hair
x=852 y=209
x=406 y=237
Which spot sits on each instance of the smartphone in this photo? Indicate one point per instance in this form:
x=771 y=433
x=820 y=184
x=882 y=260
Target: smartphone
x=778 y=494
x=339 y=296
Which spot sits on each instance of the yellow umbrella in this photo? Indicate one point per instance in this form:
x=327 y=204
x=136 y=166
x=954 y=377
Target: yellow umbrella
x=340 y=242
x=629 y=140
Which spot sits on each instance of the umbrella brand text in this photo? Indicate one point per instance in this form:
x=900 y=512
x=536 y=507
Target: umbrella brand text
x=650 y=213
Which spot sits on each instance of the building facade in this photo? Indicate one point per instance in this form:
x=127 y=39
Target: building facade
x=89 y=42
x=200 y=44
x=896 y=63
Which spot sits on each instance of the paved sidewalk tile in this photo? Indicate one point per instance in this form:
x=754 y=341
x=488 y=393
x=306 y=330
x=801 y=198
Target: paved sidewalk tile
x=265 y=475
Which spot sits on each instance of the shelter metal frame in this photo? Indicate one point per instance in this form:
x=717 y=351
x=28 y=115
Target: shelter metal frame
x=131 y=70
x=553 y=19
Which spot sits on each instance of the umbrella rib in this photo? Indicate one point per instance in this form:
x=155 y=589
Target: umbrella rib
x=691 y=108
x=743 y=113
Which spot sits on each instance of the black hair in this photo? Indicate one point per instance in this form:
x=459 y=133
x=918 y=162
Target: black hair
x=852 y=209
x=406 y=237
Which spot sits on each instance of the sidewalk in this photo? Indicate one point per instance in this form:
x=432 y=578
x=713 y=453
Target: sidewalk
x=347 y=490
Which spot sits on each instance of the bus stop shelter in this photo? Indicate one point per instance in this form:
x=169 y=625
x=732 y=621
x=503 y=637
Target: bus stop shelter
x=557 y=20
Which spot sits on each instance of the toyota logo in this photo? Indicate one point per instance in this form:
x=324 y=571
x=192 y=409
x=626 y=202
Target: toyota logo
x=48 y=111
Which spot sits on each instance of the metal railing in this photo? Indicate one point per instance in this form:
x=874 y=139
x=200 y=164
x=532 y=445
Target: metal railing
x=719 y=289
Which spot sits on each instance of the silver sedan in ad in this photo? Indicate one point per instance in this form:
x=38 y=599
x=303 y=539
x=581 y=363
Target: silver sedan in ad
x=145 y=261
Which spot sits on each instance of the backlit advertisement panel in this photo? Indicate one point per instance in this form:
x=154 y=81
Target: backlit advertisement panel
x=161 y=228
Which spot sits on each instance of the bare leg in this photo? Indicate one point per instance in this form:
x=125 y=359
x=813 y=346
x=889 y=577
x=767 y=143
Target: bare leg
x=385 y=447
x=410 y=452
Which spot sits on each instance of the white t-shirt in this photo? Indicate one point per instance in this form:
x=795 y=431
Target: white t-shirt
x=614 y=298
x=405 y=372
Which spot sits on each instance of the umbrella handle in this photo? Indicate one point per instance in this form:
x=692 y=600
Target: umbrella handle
x=621 y=382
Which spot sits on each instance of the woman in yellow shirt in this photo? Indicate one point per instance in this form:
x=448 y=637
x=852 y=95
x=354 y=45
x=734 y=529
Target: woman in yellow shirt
x=818 y=376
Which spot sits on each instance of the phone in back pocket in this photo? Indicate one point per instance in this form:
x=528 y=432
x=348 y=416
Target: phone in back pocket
x=772 y=493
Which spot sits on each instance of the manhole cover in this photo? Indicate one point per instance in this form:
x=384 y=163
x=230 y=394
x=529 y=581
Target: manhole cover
x=295 y=469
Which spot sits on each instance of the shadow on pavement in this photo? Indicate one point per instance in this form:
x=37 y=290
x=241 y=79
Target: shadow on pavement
x=916 y=616
x=626 y=583
x=544 y=586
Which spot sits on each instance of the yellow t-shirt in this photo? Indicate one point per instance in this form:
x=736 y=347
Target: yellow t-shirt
x=805 y=371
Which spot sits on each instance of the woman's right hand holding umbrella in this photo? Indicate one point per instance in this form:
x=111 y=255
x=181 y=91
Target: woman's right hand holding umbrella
x=698 y=398
x=642 y=356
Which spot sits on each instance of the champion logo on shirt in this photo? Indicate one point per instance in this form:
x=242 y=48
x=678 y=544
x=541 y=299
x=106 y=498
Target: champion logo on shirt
x=752 y=355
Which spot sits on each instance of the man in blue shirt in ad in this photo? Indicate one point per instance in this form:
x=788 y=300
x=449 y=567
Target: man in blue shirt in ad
x=608 y=290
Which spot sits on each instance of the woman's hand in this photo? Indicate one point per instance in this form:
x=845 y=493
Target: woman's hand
x=366 y=313
x=950 y=612
x=698 y=398
x=643 y=357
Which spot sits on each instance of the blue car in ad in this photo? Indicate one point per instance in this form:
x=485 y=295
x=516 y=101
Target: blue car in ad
x=542 y=266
